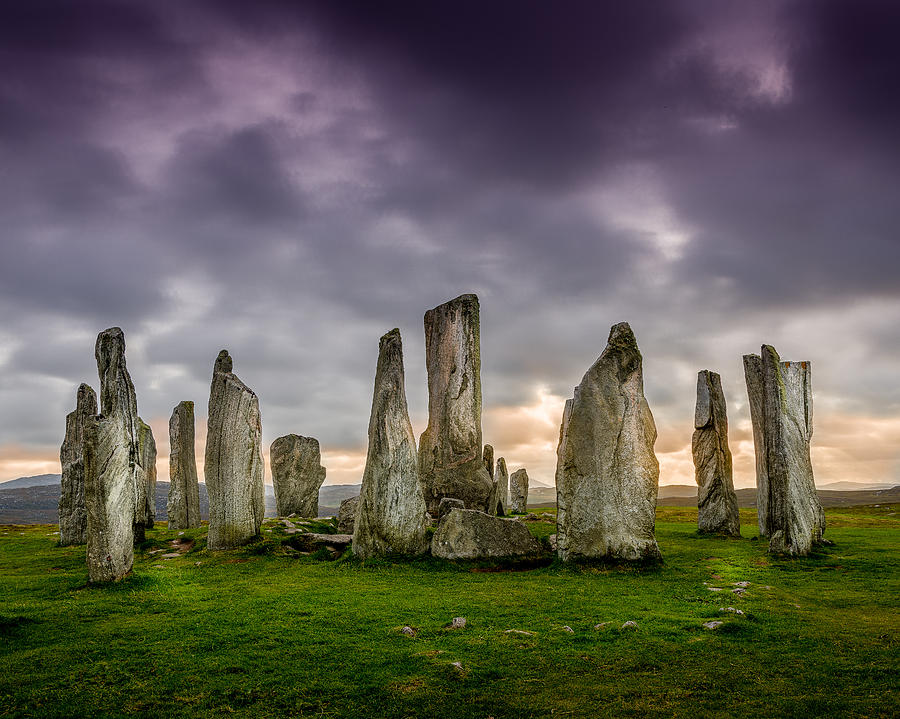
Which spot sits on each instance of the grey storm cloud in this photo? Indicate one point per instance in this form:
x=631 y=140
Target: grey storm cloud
x=291 y=180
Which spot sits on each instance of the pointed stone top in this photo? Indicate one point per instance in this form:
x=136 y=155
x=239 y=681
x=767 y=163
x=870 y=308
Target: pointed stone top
x=392 y=336
x=110 y=342
x=621 y=336
x=186 y=403
x=770 y=351
x=86 y=399
x=224 y=362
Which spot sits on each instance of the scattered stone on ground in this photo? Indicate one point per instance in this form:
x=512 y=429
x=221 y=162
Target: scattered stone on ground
x=171 y=555
x=712 y=625
x=629 y=625
x=457 y=623
x=732 y=610
x=602 y=625
x=521 y=632
x=568 y=630
x=741 y=584
x=715 y=589
x=408 y=631
x=311 y=541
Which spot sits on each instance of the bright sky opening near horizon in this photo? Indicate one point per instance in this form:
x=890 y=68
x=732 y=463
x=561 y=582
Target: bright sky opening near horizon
x=290 y=180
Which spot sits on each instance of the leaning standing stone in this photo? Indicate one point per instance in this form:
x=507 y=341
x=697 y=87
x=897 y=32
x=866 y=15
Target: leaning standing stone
x=110 y=465
x=183 y=505
x=450 y=451
x=781 y=412
x=145 y=482
x=72 y=513
x=488 y=457
x=233 y=468
x=607 y=474
x=717 y=506
x=297 y=474
x=391 y=514
x=518 y=492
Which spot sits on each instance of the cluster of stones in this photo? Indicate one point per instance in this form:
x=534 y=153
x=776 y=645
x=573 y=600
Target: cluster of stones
x=606 y=476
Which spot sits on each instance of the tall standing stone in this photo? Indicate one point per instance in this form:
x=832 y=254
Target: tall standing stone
x=183 y=504
x=487 y=457
x=72 y=512
x=233 y=468
x=781 y=412
x=111 y=464
x=297 y=474
x=450 y=452
x=518 y=492
x=391 y=514
x=607 y=474
x=501 y=485
x=717 y=506
x=145 y=482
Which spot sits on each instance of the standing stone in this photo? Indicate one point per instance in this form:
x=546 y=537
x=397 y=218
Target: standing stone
x=183 y=505
x=233 y=468
x=781 y=412
x=450 y=452
x=297 y=474
x=145 y=482
x=501 y=487
x=72 y=513
x=488 y=457
x=607 y=475
x=111 y=465
x=346 y=517
x=518 y=492
x=391 y=514
x=717 y=506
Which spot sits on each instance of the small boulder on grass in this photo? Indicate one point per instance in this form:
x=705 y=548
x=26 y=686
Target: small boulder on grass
x=457 y=623
x=408 y=631
x=629 y=625
x=713 y=625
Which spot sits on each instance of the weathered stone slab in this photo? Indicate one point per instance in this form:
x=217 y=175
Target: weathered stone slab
x=469 y=534
x=717 y=506
x=72 y=512
x=233 y=468
x=450 y=450
x=346 y=518
x=391 y=515
x=297 y=474
x=781 y=412
x=487 y=457
x=144 y=482
x=607 y=474
x=110 y=464
x=311 y=541
x=183 y=505
x=448 y=504
x=518 y=492
x=501 y=488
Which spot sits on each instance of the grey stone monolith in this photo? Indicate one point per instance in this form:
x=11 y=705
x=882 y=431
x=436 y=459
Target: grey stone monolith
x=717 y=506
x=390 y=518
x=488 y=457
x=183 y=503
x=233 y=466
x=72 y=512
x=450 y=450
x=518 y=492
x=297 y=474
x=145 y=482
x=780 y=394
x=501 y=487
x=111 y=464
x=607 y=475
x=346 y=517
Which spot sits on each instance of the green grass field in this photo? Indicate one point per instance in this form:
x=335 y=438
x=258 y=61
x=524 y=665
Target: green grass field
x=265 y=632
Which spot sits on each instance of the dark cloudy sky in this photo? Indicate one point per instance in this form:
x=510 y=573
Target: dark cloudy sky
x=291 y=180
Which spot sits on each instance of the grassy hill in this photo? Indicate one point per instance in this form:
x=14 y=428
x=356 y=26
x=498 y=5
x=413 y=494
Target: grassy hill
x=269 y=632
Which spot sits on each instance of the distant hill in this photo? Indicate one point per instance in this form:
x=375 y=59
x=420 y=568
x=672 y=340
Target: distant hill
x=35 y=500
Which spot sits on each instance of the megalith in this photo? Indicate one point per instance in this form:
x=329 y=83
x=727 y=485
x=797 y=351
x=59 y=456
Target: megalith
x=518 y=492
x=450 y=451
x=72 y=512
x=501 y=488
x=183 y=502
x=297 y=474
x=717 y=506
x=391 y=513
x=233 y=466
x=780 y=393
x=487 y=457
x=145 y=482
x=607 y=474
x=111 y=464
